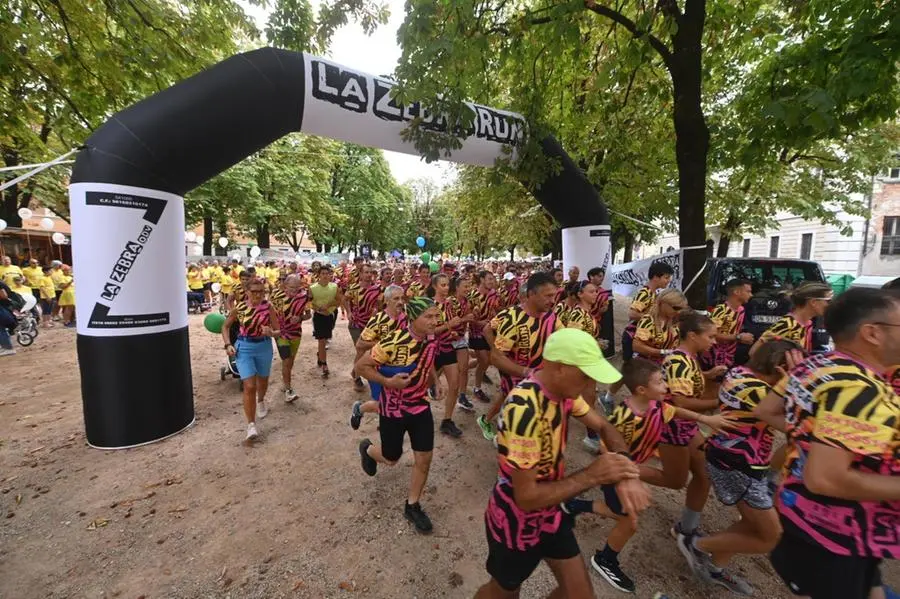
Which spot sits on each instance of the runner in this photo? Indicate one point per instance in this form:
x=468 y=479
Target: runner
x=402 y=366
x=841 y=493
x=379 y=327
x=729 y=320
x=682 y=443
x=516 y=337
x=326 y=297
x=292 y=307
x=458 y=307
x=640 y=420
x=581 y=317
x=509 y=293
x=418 y=286
x=33 y=274
x=362 y=299
x=66 y=299
x=446 y=335
x=659 y=275
x=558 y=278
x=810 y=300
x=656 y=333
x=484 y=302
x=523 y=520
x=569 y=300
x=253 y=350
x=574 y=275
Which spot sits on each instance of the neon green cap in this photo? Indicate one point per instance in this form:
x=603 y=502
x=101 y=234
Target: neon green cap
x=577 y=348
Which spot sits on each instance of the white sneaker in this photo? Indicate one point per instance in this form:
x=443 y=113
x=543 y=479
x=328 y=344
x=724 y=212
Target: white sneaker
x=290 y=396
x=251 y=432
x=592 y=445
x=7 y=352
x=261 y=409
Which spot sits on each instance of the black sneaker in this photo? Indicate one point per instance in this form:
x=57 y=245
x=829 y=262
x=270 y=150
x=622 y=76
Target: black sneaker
x=612 y=573
x=463 y=403
x=481 y=396
x=449 y=428
x=369 y=465
x=356 y=415
x=420 y=519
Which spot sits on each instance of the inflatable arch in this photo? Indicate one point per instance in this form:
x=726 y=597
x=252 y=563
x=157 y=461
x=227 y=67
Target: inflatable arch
x=126 y=197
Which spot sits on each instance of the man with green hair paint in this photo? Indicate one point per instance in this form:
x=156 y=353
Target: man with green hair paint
x=400 y=368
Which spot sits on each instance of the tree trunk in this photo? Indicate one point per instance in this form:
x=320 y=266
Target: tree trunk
x=223 y=232
x=10 y=209
x=262 y=235
x=725 y=232
x=512 y=252
x=628 y=240
x=691 y=142
x=208 y=235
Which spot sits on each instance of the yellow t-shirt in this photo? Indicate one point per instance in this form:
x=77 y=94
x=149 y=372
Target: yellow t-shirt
x=48 y=289
x=20 y=289
x=56 y=275
x=227 y=282
x=33 y=275
x=8 y=272
x=194 y=280
x=68 y=295
x=272 y=275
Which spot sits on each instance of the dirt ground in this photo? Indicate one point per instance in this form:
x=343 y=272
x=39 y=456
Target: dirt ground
x=202 y=515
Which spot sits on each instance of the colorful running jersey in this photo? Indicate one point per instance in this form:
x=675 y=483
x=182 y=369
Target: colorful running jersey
x=728 y=321
x=521 y=337
x=445 y=339
x=643 y=300
x=560 y=295
x=600 y=306
x=532 y=433
x=415 y=289
x=747 y=448
x=509 y=293
x=457 y=308
x=363 y=303
x=789 y=328
x=252 y=319
x=642 y=431
x=683 y=374
x=835 y=400
x=581 y=319
x=893 y=377
x=562 y=312
x=289 y=307
x=485 y=308
x=382 y=324
x=655 y=335
x=401 y=351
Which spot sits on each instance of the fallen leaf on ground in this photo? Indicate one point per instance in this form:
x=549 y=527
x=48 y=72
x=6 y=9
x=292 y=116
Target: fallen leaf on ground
x=97 y=523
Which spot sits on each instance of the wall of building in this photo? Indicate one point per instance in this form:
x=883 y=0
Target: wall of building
x=885 y=202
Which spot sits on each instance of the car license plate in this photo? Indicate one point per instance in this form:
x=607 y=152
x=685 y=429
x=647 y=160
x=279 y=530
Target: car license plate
x=766 y=318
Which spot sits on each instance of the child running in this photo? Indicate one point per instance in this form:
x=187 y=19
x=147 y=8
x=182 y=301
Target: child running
x=641 y=420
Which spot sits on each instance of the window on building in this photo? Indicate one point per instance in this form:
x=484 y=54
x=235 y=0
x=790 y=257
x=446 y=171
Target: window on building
x=890 y=241
x=773 y=246
x=806 y=241
x=893 y=172
x=745 y=252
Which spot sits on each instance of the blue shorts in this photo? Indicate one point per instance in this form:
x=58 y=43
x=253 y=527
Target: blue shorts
x=254 y=358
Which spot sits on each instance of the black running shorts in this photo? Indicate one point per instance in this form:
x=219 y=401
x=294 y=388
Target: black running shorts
x=813 y=571
x=445 y=359
x=479 y=344
x=510 y=568
x=419 y=426
x=323 y=325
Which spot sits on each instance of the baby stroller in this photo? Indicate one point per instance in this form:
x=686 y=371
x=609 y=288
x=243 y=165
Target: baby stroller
x=230 y=367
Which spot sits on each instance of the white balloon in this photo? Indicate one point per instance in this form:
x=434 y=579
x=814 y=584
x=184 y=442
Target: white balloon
x=223 y=242
x=299 y=257
x=199 y=240
x=47 y=224
x=216 y=287
x=190 y=236
x=59 y=238
x=236 y=256
x=255 y=251
x=25 y=213
x=2 y=224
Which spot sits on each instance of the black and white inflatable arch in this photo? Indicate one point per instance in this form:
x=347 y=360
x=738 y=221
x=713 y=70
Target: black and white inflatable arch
x=127 y=191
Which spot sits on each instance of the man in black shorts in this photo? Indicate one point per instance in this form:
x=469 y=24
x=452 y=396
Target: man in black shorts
x=401 y=368
x=524 y=522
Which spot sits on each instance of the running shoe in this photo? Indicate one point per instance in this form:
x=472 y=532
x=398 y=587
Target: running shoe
x=262 y=410
x=328 y=344
x=69 y=325
x=290 y=396
x=592 y=445
x=481 y=396
x=733 y=583
x=4 y=351
x=487 y=428
x=356 y=415
x=660 y=596
x=675 y=530
x=325 y=371
x=696 y=559
x=252 y=434
x=612 y=573
x=369 y=465
x=463 y=403
x=420 y=519
x=449 y=428
x=358 y=384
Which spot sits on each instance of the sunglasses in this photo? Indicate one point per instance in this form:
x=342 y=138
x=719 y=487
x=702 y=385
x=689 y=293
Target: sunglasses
x=677 y=308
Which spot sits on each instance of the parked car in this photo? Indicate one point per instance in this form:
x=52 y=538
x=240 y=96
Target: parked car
x=772 y=279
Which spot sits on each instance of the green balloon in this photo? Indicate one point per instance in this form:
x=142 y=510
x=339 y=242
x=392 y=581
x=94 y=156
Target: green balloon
x=433 y=266
x=426 y=257
x=213 y=322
